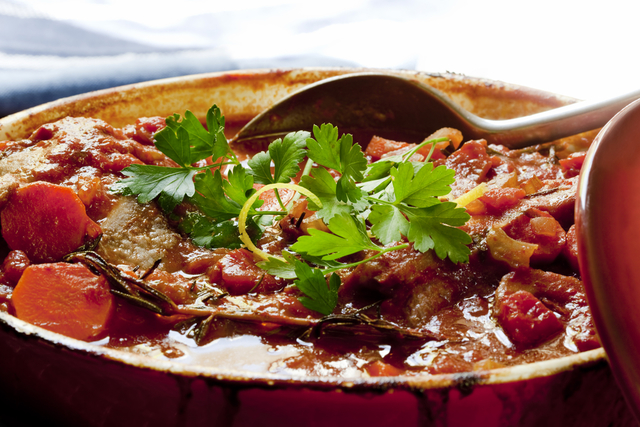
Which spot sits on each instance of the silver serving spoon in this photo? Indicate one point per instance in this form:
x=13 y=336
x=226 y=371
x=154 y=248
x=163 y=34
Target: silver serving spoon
x=389 y=105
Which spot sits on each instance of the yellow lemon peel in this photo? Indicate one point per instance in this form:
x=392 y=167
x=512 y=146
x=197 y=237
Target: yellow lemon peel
x=242 y=218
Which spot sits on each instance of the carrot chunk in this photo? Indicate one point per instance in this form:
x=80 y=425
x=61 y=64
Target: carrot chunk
x=381 y=369
x=46 y=221
x=64 y=298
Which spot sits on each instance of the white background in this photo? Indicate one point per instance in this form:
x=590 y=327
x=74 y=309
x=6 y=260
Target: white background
x=586 y=49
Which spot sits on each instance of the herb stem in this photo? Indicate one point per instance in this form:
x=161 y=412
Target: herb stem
x=305 y=172
x=284 y=208
x=215 y=165
x=406 y=156
x=354 y=264
x=269 y=213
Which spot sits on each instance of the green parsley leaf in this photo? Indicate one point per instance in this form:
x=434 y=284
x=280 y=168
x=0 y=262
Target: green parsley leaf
x=277 y=267
x=421 y=190
x=350 y=236
x=285 y=153
x=413 y=210
x=325 y=148
x=375 y=185
x=352 y=160
x=175 y=144
x=186 y=141
x=324 y=186
x=215 y=126
x=320 y=296
x=434 y=228
x=239 y=185
x=389 y=224
x=149 y=182
x=211 y=199
x=341 y=155
x=210 y=234
x=378 y=170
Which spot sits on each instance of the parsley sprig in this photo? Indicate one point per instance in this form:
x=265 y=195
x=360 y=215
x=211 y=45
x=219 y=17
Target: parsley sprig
x=378 y=208
x=185 y=141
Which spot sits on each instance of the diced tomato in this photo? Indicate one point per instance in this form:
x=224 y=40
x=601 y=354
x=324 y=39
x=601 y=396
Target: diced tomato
x=526 y=320
x=572 y=164
x=239 y=274
x=43 y=133
x=202 y=262
x=270 y=200
x=145 y=128
x=471 y=161
x=14 y=265
x=378 y=147
x=499 y=200
x=540 y=228
x=570 y=251
x=177 y=287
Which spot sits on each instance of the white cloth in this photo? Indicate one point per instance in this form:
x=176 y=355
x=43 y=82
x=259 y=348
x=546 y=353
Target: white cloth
x=55 y=48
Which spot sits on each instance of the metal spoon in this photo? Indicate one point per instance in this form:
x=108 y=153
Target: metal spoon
x=390 y=105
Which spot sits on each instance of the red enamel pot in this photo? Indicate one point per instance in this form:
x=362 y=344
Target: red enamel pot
x=608 y=226
x=52 y=379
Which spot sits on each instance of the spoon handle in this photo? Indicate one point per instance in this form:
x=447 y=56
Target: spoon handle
x=551 y=124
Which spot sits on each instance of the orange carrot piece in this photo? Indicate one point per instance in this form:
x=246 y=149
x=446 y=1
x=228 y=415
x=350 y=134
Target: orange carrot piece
x=64 y=298
x=46 y=221
x=382 y=369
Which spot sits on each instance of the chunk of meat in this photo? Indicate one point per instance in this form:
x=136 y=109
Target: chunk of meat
x=92 y=142
x=557 y=197
x=413 y=285
x=136 y=235
x=528 y=162
x=384 y=274
x=177 y=287
x=471 y=163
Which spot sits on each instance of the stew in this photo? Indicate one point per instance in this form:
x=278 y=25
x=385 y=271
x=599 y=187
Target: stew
x=328 y=271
